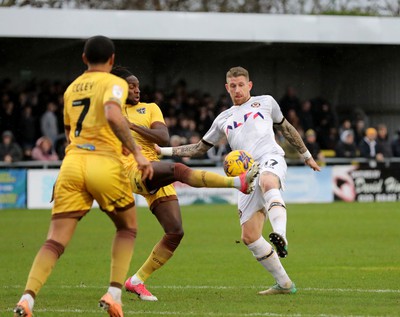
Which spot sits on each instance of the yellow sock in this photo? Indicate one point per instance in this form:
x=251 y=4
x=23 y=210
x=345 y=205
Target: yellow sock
x=158 y=257
x=122 y=251
x=43 y=265
x=199 y=178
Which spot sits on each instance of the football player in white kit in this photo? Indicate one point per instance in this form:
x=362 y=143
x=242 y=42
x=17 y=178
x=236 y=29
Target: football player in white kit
x=248 y=125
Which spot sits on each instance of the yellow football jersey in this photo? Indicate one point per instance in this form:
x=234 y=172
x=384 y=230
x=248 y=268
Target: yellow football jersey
x=84 y=102
x=144 y=114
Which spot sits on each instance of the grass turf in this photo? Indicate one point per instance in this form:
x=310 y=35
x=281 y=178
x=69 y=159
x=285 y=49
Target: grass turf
x=343 y=257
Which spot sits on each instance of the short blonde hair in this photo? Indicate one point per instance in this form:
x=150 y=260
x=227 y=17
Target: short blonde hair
x=236 y=72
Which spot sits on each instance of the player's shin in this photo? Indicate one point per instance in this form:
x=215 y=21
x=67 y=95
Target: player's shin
x=122 y=251
x=43 y=265
x=201 y=178
x=268 y=258
x=160 y=254
x=276 y=210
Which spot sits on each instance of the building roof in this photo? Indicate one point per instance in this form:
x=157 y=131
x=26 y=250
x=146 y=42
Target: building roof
x=189 y=26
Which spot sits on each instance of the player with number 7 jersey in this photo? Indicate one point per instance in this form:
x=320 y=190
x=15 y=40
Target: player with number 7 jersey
x=89 y=127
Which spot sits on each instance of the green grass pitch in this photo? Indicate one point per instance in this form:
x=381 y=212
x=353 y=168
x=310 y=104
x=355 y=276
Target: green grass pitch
x=344 y=258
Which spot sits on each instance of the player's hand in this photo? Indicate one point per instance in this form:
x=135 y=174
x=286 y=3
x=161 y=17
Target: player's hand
x=144 y=165
x=126 y=152
x=158 y=149
x=310 y=162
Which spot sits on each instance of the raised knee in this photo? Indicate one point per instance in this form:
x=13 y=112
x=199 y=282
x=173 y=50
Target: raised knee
x=181 y=171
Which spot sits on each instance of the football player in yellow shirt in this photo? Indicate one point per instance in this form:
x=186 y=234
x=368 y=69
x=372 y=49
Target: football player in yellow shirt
x=148 y=128
x=92 y=169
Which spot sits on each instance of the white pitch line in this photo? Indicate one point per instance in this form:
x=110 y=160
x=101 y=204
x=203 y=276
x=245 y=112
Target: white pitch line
x=307 y=289
x=175 y=313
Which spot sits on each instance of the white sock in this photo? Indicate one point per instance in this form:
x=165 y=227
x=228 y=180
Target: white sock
x=268 y=258
x=29 y=299
x=136 y=280
x=115 y=293
x=276 y=212
x=237 y=183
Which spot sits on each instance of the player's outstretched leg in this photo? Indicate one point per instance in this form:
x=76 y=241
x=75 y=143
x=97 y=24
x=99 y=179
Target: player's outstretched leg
x=248 y=178
x=168 y=173
x=280 y=244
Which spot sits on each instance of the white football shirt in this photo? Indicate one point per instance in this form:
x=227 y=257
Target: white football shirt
x=249 y=127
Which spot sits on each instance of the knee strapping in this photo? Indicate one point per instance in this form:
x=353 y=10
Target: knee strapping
x=181 y=172
x=172 y=240
x=54 y=246
x=273 y=198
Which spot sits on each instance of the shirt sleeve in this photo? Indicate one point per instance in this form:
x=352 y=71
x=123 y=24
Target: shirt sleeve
x=66 y=114
x=156 y=114
x=117 y=91
x=276 y=112
x=215 y=133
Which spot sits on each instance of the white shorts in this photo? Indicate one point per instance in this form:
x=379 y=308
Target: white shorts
x=248 y=205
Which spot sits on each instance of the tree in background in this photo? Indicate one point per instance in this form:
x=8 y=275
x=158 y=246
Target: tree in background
x=332 y=7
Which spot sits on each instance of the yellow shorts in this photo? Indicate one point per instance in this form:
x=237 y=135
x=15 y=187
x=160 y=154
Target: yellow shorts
x=138 y=187
x=86 y=177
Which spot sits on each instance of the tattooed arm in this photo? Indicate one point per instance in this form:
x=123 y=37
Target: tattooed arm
x=294 y=138
x=189 y=150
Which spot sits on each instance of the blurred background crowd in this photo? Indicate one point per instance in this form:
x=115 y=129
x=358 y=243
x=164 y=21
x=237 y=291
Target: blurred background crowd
x=31 y=123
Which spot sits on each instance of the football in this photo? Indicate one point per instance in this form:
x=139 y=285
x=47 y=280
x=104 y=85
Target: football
x=237 y=162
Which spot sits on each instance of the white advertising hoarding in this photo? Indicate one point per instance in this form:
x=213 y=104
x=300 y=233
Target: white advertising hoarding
x=302 y=185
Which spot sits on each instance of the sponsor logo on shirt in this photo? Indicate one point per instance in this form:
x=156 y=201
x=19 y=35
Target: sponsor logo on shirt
x=247 y=116
x=255 y=104
x=141 y=110
x=117 y=91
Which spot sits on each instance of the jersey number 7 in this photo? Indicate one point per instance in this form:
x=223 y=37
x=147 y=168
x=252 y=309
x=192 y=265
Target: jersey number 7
x=85 y=102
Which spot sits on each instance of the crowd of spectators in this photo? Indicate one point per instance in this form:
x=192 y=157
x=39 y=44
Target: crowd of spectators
x=31 y=123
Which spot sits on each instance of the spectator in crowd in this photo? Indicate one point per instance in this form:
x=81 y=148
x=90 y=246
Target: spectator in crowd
x=204 y=119
x=325 y=120
x=188 y=127
x=9 y=117
x=10 y=151
x=27 y=132
x=60 y=146
x=332 y=138
x=312 y=145
x=383 y=140
x=218 y=152
x=359 y=130
x=49 y=122
x=289 y=101
x=345 y=125
x=368 y=146
x=294 y=120
x=396 y=145
x=359 y=114
x=306 y=116
x=290 y=151
x=346 y=147
x=43 y=151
